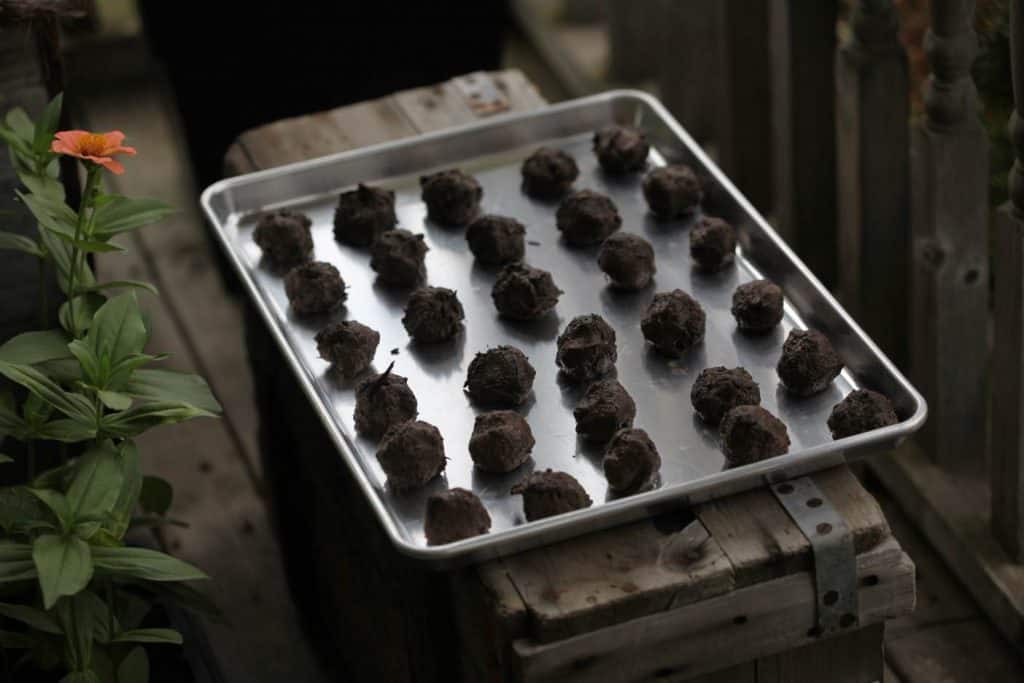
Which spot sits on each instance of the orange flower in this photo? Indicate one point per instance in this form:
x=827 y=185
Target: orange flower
x=98 y=148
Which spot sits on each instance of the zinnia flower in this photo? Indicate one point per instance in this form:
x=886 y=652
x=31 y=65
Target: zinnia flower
x=98 y=148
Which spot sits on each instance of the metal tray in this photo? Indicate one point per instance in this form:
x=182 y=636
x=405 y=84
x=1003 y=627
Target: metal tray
x=492 y=150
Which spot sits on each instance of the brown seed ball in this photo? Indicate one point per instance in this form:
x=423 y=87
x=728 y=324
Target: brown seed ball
x=501 y=441
x=586 y=348
x=285 y=237
x=672 y=191
x=628 y=260
x=433 y=315
x=712 y=244
x=808 y=363
x=549 y=173
x=397 y=257
x=718 y=390
x=522 y=292
x=411 y=454
x=550 y=493
x=587 y=217
x=314 y=287
x=605 y=408
x=861 y=411
x=674 y=323
x=452 y=197
x=757 y=306
x=496 y=240
x=348 y=345
x=621 y=149
x=362 y=214
x=383 y=401
x=501 y=376
x=750 y=434
x=454 y=515
x=630 y=461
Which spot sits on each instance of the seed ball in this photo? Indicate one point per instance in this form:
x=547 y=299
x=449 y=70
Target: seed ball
x=522 y=292
x=454 y=515
x=501 y=441
x=348 y=345
x=501 y=376
x=808 y=363
x=285 y=237
x=712 y=244
x=718 y=390
x=496 y=240
x=672 y=191
x=452 y=197
x=362 y=214
x=433 y=315
x=750 y=434
x=382 y=401
x=397 y=257
x=314 y=287
x=587 y=217
x=586 y=349
x=861 y=411
x=757 y=306
x=630 y=461
x=605 y=408
x=621 y=149
x=628 y=260
x=550 y=493
x=411 y=454
x=549 y=173
x=674 y=323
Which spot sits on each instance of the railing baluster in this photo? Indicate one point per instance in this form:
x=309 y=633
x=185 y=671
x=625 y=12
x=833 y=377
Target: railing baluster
x=1007 y=475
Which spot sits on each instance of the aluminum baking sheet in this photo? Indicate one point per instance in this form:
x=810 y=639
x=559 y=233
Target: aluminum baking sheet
x=692 y=464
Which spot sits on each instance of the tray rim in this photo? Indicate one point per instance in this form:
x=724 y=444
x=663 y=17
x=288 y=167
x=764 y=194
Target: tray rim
x=632 y=508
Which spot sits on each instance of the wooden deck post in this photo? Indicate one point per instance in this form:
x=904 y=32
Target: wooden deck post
x=1008 y=357
x=873 y=147
x=950 y=273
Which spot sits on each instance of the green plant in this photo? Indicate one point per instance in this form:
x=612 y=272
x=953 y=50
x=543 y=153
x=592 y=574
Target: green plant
x=73 y=596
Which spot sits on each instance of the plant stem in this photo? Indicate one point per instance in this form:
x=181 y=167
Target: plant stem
x=43 y=303
x=30 y=451
x=92 y=178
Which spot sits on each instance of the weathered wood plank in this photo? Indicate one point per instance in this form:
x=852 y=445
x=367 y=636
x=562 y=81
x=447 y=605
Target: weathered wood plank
x=856 y=658
x=634 y=51
x=958 y=651
x=691 y=81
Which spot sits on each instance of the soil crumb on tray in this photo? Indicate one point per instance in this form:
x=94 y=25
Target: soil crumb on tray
x=605 y=408
x=674 y=323
x=411 y=454
x=314 y=287
x=383 y=401
x=861 y=411
x=718 y=390
x=808 y=363
x=496 y=240
x=362 y=214
x=621 y=149
x=522 y=292
x=631 y=461
x=454 y=515
x=672 y=191
x=348 y=345
x=433 y=315
x=550 y=493
x=285 y=237
x=502 y=376
x=757 y=306
x=397 y=256
x=452 y=197
x=586 y=349
x=549 y=173
x=587 y=217
x=627 y=260
x=750 y=434
x=501 y=441
x=712 y=244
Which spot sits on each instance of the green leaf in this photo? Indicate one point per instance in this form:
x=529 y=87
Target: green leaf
x=157 y=495
x=81 y=677
x=18 y=508
x=60 y=254
x=30 y=616
x=168 y=385
x=117 y=330
x=121 y=372
x=119 y=214
x=11 y=422
x=29 y=348
x=67 y=431
x=86 y=357
x=142 y=563
x=78 y=616
x=97 y=483
x=19 y=122
x=131 y=473
x=134 y=421
x=58 y=504
x=20 y=148
x=4 y=459
x=150 y=635
x=16 y=562
x=134 y=668
x=14 y=242
x=44 y=186
x=115 y=400
x=46 y=126
x=64 y=565
x=123 y=284
x=73 y=405
x=86 y=306
x=16 y=641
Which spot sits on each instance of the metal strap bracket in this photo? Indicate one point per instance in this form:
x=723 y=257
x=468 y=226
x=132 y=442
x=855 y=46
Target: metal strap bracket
x=835 y=559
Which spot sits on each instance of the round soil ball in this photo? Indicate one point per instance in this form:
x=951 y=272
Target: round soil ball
x=630 y=461
x=501 y=441
x=382 y=401
x=550 y=493
x=411 y=454
x=672 y=191
x=348 y=345
x=621 y=149
x=718 y=390
x=712 y=244
x=362 y=214
x=397 y=257
x=750 y=434
x=496 y=240
x=522 y=292
x=454 y=515
x=586 y=348
x=549 y=173
x=285 y=237
x=433 y=315
x=501 y=376
x=452 y=197
x=757 y=306
x=808 y=363
x=605 y=408
x=861 y=411
x=674 y=323
x=587 y=217
x=628 y=260
x=314 y=287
